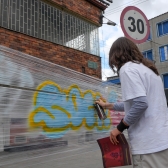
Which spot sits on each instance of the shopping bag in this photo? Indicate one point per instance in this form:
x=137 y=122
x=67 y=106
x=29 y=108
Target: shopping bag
x=115 y=155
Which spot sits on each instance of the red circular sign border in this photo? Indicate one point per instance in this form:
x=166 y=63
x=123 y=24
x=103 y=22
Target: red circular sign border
x=122 y=25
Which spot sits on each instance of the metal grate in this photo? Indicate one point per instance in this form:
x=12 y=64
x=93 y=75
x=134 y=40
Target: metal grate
x=41 y=20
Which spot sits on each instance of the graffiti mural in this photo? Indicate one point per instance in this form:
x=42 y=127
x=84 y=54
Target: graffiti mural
x=46 y=105
x=65 y=109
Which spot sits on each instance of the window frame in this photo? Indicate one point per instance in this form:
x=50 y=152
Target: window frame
x=166 y=20
x=147 y=51
x=50 y=23
x=159 y=52
x=163 y=79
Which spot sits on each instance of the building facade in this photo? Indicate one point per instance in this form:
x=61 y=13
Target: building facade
x=156 y=47
x=64 y=32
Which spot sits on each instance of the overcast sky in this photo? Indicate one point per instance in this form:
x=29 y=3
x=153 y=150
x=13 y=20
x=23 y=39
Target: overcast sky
x=108 y=34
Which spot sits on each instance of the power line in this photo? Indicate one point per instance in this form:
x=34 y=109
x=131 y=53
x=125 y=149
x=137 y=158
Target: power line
x=122 y=8
x=119 y=6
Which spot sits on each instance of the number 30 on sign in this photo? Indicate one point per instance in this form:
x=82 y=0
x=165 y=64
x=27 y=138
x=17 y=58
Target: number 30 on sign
x=134 y=24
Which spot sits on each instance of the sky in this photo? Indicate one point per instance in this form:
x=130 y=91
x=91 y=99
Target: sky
x=108 y=34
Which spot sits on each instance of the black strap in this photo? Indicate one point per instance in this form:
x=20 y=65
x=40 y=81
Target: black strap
x=121 y=126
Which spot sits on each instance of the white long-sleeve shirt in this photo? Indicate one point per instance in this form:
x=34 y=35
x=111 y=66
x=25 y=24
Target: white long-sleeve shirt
x=148 y=134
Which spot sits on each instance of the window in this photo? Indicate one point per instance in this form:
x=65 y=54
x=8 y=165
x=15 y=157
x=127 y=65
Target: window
x=162 y=28
x=41 y=20
x=83 y=69
x=165 y=81
x=163 y=51
x=148 y=55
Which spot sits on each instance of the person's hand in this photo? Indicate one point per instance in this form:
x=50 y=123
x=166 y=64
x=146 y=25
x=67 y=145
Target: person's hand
x=113 y=136
x=101 y=102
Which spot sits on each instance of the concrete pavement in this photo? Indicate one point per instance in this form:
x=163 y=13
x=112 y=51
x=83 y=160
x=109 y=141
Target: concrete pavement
x=84 y=156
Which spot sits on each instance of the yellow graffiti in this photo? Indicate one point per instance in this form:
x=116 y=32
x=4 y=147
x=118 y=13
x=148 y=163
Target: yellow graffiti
x=41 y=86
x=42 y=124
x=74 y=102
x=62 y=109
x=32 y=115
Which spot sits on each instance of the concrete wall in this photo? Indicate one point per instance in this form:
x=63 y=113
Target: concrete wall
x=156 y=42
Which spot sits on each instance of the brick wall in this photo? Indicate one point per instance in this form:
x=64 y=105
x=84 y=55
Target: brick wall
x=48 y=51
x=81 y=7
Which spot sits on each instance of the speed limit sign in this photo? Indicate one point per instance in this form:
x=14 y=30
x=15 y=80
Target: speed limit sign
x=134 y=24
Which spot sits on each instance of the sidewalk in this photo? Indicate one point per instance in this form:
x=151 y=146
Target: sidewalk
x=88 y=156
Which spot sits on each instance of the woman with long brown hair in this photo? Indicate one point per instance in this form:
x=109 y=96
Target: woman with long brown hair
x=144 y=103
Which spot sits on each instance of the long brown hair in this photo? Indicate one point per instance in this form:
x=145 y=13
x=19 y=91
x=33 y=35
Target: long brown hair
x=124 y=50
